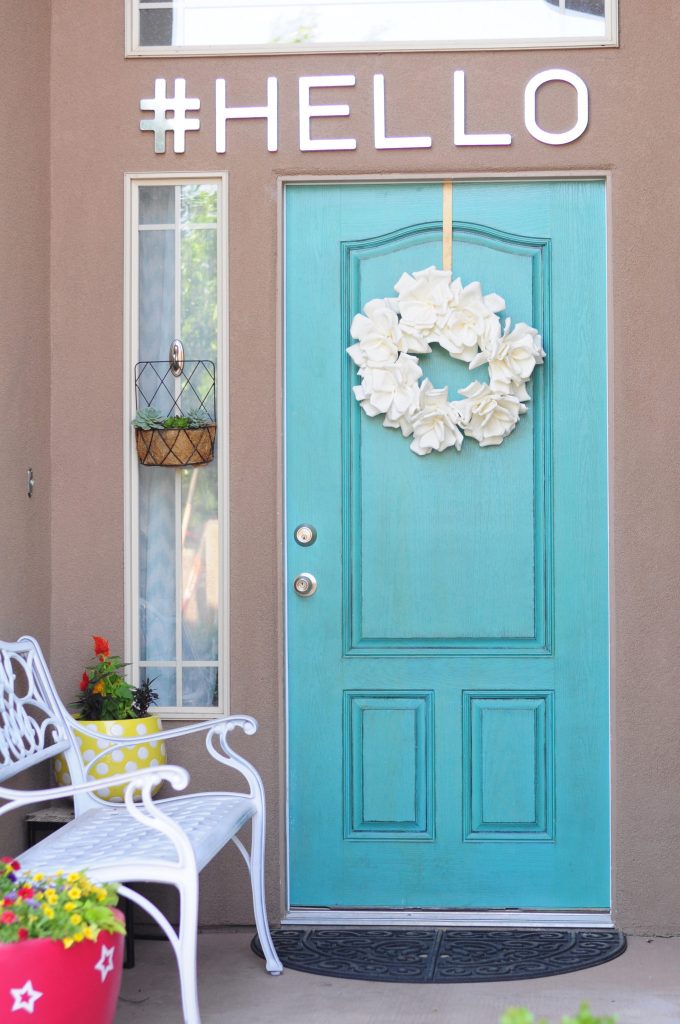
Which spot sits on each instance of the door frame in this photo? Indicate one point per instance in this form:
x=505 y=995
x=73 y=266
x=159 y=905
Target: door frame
x=432 y=918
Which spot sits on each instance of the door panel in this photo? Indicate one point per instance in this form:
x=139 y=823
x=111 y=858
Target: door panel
x=389 y=492
x=448 y=681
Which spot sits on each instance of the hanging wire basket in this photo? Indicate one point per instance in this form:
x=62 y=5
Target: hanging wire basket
x=176 y=406
x=180 y=446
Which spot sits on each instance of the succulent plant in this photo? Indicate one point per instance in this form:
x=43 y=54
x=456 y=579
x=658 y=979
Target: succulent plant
x=148 y=419
x=152 y=419
x=198 y=418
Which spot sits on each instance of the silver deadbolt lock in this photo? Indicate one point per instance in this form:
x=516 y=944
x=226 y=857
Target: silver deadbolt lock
x=304 y=584
x=305 y=534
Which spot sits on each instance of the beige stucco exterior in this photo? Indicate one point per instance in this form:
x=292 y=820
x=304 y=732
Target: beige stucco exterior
x=69 y=137
x=25 y=550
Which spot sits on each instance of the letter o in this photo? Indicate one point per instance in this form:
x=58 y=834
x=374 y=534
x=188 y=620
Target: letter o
x=534 y=84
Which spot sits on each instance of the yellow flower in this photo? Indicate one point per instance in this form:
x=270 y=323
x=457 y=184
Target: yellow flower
x=70 y=905
x=48 y=912
x=73 y=877
x=38 y=876
x=51 y=896
x=101 y=895
x=74 y=893
x=78 y=937
x=67 y=943
x=40 y=895
x=89 y=932
x=76 y=919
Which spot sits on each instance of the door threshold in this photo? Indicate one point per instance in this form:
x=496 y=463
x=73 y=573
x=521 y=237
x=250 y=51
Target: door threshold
x=570 y=919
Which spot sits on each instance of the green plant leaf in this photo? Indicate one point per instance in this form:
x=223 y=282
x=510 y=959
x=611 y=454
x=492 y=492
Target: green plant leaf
x=584 y=1016
x=517 y=1015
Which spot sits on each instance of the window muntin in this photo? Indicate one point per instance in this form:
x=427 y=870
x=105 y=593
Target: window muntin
x=176 y=552
x=228 y=26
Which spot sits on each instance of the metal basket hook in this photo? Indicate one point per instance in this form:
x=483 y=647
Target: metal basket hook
x=176 y=357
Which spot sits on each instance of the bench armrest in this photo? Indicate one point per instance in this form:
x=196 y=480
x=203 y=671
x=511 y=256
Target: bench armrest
x=228 y=722
x=217 y=731
x=138 y=803
x=143 y=780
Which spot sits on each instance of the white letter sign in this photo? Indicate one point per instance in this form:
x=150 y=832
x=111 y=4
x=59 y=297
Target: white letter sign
x=556 y=75
x=223 y=113
x=394 y=142
x=460 y=136
x=161 y=104
x=169 y=114
x=307 y=112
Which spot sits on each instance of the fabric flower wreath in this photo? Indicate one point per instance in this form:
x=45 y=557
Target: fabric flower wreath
x=432 y=309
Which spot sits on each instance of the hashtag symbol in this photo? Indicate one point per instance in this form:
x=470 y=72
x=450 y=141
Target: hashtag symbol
x=162 y=105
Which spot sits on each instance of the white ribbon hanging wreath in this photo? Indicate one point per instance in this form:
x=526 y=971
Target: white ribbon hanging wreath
x=433 y=309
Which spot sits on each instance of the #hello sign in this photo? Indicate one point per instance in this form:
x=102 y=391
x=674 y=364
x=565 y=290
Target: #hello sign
x=170 y=114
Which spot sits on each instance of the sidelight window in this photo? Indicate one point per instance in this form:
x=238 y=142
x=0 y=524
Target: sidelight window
x=176 y=537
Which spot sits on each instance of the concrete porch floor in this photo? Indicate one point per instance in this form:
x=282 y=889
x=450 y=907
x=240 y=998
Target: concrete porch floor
x=642 y=987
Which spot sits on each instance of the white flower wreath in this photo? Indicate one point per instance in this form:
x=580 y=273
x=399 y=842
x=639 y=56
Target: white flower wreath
x=433 y=309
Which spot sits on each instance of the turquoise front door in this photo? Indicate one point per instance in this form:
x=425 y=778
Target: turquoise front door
x=448 y=679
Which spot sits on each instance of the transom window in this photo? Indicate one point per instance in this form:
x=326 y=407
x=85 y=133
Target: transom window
x=228 y=26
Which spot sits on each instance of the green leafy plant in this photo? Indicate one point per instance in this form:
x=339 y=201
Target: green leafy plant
x=152 y=419
x=520 y=1015
x=66 y=907
x=105 y=694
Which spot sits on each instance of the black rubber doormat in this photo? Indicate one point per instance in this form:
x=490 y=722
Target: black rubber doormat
x=443 y=954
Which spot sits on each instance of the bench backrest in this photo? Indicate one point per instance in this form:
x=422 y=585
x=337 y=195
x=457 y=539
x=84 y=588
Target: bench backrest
x=34 y=724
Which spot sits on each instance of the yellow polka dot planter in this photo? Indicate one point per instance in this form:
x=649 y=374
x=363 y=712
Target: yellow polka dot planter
x=148 y=753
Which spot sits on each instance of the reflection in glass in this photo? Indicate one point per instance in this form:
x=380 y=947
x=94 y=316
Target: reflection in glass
x=156 y=205
x=200 y=562
x=156 y=293
x=157 y=605
x=179 y=556
x=274 y=23
x=199 y=292
x=199 y=687
x=198 y=204
x=155 y=27
x=164 y=682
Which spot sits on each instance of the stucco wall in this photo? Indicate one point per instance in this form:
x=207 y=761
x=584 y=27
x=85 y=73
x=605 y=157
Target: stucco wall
x=24 y=335
x=632 y=133
x=24 y=328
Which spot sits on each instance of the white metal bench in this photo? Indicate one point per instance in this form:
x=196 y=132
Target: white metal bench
x=142 y=839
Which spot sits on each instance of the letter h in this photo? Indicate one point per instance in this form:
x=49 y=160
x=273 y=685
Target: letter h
x=223 y=113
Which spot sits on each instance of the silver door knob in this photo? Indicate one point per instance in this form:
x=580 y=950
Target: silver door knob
x=304 y=584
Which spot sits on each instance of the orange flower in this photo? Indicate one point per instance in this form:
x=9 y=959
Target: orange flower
x=101 y=646
x=98 y=687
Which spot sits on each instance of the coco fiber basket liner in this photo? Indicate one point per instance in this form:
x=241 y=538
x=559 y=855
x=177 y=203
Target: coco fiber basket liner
x=177 y=446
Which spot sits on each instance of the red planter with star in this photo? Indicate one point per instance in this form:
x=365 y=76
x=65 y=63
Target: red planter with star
x=42 y=982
